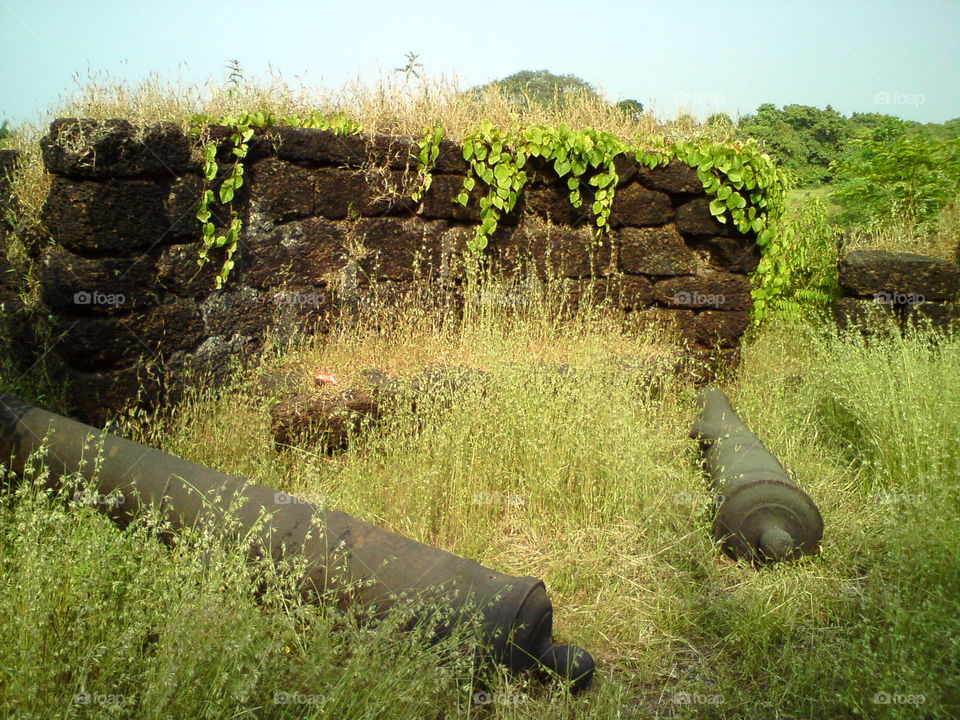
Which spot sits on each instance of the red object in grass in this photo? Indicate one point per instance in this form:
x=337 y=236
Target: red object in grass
x=325 y=377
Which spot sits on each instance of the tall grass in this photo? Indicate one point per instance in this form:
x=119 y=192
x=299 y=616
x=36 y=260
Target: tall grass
x=584 y=478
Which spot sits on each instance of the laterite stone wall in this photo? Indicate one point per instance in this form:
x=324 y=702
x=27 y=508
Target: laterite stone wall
x=903 y=288
x=328 y=224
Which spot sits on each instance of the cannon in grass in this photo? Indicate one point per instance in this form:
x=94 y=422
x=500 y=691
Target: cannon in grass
x=762 y=514
x=360 y=562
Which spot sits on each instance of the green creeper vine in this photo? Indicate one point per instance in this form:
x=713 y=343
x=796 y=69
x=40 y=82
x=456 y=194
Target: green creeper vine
x=501 y=168
x=242 y=128
x=240 y=137
x=428 y=152
x=748 y=190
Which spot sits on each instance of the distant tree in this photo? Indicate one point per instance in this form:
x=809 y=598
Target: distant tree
x=912 y=176
x=804 y=139
x=876 y=127
x=538 y=87
x=633 y=109
x=5 y=130
x=719 y=120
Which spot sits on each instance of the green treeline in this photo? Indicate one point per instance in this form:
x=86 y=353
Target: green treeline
x=815 y=144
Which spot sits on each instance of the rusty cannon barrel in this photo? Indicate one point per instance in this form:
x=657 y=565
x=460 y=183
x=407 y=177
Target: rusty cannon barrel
x=762 y=515
x=353 y=559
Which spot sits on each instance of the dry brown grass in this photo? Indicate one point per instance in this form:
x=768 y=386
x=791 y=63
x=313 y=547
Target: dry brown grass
x=937 y=238
x=394 y=105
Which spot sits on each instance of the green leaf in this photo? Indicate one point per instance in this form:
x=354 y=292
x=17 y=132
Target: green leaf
x=469 y=183
x=573 y=183
x=462 y=198
x=717 y=208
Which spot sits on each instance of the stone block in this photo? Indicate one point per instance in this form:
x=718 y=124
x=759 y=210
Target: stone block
x=122 y=217
x=634 y=205
x=84 y=148
x=878 y=272
x=76 y=284
x=654 y=251
x=717 y=291
x=675 y=177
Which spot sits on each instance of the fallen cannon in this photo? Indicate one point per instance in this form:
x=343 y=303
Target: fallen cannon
x=357 y=561
x=762 y=515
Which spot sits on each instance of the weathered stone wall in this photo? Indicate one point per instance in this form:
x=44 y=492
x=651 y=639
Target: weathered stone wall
x=900 y=288
x=328 y=222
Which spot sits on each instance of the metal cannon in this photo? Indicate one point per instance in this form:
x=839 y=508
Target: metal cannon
x=762 y=514
x=354 y=560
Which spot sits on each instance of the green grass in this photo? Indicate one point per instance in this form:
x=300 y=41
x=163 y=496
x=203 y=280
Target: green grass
x=599 y=493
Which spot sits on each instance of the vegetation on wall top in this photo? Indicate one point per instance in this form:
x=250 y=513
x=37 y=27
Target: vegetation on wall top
x=748 y=189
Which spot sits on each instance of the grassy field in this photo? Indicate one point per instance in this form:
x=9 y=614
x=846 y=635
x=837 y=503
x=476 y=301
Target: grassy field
x=601 y=498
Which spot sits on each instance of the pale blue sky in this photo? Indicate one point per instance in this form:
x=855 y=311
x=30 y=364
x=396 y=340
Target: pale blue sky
x=897 y=57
